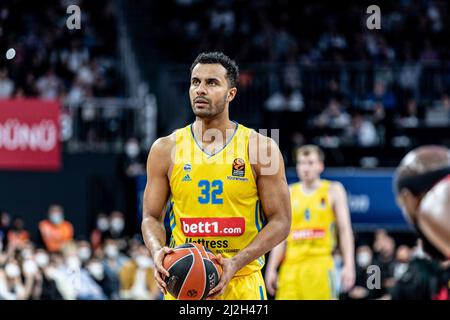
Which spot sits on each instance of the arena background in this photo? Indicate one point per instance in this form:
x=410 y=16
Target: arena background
x=80 y=108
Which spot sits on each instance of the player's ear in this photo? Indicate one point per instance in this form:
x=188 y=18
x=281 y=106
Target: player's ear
x=231 y=94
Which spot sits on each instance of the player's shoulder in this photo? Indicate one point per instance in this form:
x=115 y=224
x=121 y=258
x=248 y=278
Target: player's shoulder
x=335 y=187
x=165 y=143
x=258 y=141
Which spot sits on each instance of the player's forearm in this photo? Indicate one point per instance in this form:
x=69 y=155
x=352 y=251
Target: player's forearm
x=271 y=235
x=276 y=255
x=347 y=246
x=153 y=233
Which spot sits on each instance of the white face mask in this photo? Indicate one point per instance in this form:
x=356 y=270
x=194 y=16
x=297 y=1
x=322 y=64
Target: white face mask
x=56 y=217
x=73 y=262
x=132 y=149
x=111 y=251
x=400 y=269
x=27 y=254
x=84 y=253
x=96 y=269
x=117 y=224
x=29 y=267
x=144 y=262
x=102 y=224
x=41 y=259
x=363 y=259
x=12 y=270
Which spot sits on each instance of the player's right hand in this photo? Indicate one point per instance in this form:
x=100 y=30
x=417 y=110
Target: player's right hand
x=160 y=273
x=271 y=279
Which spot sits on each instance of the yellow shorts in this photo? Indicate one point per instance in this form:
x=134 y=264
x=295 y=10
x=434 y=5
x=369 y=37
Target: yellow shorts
x=248 y=287
x=311 y=279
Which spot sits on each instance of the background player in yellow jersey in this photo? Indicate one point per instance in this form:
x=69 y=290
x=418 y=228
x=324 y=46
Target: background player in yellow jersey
x=222 y=193
x=318 y=208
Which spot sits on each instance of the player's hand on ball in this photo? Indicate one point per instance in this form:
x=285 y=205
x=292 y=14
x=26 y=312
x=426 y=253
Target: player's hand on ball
x=347 y=278
x=228 y=271
x=160 y=273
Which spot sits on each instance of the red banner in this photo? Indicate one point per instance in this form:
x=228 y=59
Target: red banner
x=29 y=135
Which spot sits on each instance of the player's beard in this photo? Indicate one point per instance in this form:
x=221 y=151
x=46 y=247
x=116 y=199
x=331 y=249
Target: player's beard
x=212 y=110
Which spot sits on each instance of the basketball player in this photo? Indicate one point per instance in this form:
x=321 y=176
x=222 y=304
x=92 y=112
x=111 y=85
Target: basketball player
x=223 y=194
x=422 y=187
x=318 y=208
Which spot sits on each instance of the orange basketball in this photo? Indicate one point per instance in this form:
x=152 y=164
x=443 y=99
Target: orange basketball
x=193 y=270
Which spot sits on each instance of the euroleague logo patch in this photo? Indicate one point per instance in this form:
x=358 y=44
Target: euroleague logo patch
x=238 y=167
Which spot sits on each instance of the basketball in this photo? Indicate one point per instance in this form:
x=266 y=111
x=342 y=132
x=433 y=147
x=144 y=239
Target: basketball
x=193 y=270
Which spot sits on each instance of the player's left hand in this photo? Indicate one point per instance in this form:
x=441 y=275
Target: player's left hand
x=228 y=270
x=347 y=278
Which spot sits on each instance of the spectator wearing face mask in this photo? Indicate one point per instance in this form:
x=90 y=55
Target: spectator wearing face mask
x=97 y=272
x=47 y=283
x=11 y=285
x=136 y=277
x=116 y=225
x=17 y=235
x=82 y=285
x=364 y=258
x=55 y=232
x=133 y=164
x=100 y=232
x=113 y=262
x=84 y=251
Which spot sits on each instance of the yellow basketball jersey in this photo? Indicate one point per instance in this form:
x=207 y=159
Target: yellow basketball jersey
x=313 y=224
x=214 y=198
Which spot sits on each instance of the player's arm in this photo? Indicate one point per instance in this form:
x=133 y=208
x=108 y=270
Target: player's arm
x=344 y=227
x=156 y=193
x=275 y=258
x=275 y=200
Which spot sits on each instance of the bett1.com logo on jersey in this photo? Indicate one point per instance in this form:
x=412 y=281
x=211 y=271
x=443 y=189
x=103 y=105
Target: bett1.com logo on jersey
x=213 y=227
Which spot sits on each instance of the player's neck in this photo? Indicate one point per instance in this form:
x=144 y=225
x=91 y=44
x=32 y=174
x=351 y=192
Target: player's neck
x=201 y=126
x=310 y=186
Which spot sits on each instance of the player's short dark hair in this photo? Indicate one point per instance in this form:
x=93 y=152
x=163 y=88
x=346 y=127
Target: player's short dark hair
x=219 y=58
x=309 y=149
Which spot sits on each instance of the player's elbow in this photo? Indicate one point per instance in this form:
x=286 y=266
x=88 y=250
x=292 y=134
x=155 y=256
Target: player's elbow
x=285 y=227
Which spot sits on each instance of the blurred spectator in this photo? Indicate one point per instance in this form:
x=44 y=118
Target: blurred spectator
x=333 y=116
x=46 y=284
x=361 y=132
x=410 y=117
x=289 y=99
x=100 y=231
x=360 y=291
x=55 y=232
x=113 y=262
x=402 y=258
x=116 y=225
x=381 y=94
x=97 y=272
x=84 y=252
x=439 y=114
x=49 y=85
x=17 y=235
x=11 y=285
x=133 y=163
x=6 y=84
x=136 y=277
x=5 y=224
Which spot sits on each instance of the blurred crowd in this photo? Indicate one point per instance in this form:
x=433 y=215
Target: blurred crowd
x=111 y=265
x=389 y=271
x=51 y=61
x=318 y=70
x=107 y=265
